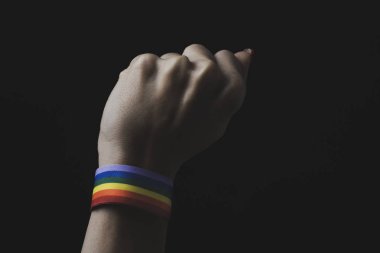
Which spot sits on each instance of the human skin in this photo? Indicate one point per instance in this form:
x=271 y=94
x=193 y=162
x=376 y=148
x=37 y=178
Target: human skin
x=162 y=111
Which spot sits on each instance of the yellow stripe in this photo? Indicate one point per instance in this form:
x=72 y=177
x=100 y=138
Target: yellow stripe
x=132 y=188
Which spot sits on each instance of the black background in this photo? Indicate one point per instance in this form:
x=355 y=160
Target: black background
x=295 y=171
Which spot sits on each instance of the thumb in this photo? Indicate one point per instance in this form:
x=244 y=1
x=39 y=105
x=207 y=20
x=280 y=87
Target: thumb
x=244 y=58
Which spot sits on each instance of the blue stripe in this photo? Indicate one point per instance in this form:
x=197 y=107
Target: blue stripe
x=148 y=183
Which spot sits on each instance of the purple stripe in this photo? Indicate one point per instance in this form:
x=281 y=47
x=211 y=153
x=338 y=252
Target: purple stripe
x=136 y=170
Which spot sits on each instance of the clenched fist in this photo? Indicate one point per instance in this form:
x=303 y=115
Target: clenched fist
x=163 y=110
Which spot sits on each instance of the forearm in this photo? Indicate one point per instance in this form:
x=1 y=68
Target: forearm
x=114 y=229
x=162 y=111
x=121 y=228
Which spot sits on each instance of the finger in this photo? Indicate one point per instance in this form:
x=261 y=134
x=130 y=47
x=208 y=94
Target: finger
x=233 y=94
x=144 y=57
x=230 y=65
x=244 y=58
x=169 y=55
x=197 y=52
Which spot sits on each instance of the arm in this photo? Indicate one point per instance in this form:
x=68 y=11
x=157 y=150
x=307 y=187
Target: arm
x=162 y=111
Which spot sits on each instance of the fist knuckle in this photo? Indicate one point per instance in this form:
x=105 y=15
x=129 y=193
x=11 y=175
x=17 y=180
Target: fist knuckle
x=145 y=60
x=193 y=46
x=223 y=52
x=123 y=73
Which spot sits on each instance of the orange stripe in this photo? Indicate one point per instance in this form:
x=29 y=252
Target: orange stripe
x=132 y=202
x=128 y=194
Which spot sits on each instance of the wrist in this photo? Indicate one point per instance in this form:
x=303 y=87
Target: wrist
x=111 y=154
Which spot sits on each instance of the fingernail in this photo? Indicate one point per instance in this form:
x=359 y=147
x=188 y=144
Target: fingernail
x=248 y=50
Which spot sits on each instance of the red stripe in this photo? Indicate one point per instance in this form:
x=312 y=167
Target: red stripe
x=130 y=201
x=133 y=195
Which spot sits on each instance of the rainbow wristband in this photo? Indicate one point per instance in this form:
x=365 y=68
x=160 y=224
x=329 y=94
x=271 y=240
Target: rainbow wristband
x=130 y=185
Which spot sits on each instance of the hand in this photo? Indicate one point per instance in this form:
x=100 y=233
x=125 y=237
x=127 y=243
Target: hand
x=164 y=110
